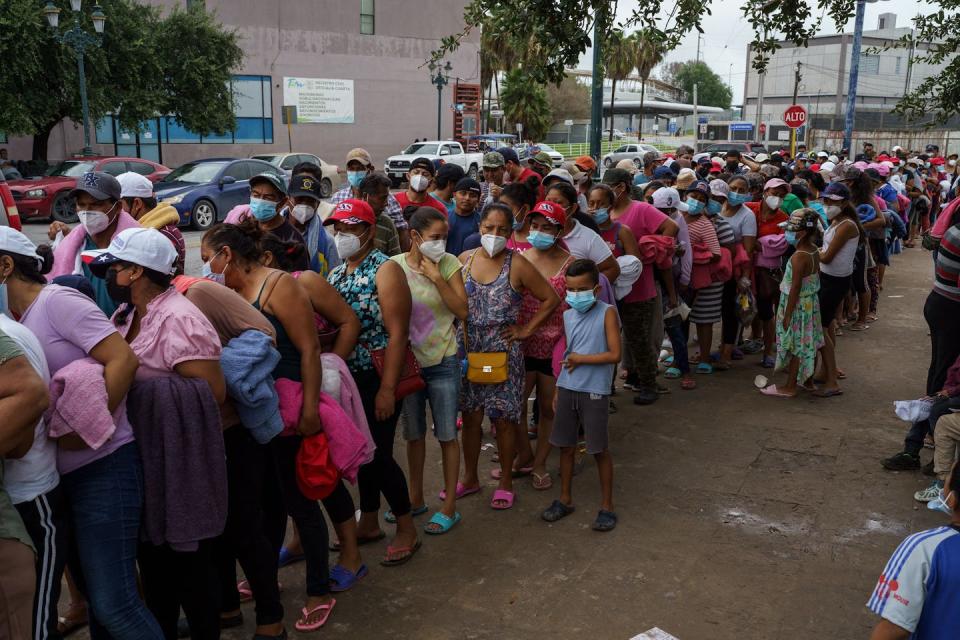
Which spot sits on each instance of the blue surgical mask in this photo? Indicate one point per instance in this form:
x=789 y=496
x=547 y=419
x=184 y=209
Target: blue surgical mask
x=791 y=237
x=262 y=210
x=694 y=206
x=737 y=199
x=601 y=215
x=207 y=271
x=355 y=178
x=713 y=207
x=541 y=240
x=581 y=300
x=940 y=503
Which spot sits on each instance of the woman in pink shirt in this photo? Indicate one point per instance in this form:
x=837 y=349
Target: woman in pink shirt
x=170 y=336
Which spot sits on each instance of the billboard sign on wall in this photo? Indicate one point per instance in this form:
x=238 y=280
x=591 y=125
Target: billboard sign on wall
x=320 y=100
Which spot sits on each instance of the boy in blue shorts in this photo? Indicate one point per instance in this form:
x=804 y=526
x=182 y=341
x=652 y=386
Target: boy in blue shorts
x=582 y=400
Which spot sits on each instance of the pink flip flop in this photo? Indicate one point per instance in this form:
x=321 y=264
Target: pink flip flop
x=497 y=472
x=502 y=495
x=462 y=491
x=773 y=391
x=326 y=608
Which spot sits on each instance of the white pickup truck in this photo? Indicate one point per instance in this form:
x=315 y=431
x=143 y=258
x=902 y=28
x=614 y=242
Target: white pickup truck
x=440 y=152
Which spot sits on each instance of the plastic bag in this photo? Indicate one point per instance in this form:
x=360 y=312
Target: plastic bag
x=913 y=410
x=746 y=308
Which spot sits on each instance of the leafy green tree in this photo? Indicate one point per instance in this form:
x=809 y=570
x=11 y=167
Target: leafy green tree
x=620 y=53
x=712 y=91
x=570 y=99
x=145 y=65
x=524 y=101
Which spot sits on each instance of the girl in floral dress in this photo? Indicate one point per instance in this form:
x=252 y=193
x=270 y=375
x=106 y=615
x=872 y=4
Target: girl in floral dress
x=799 y=330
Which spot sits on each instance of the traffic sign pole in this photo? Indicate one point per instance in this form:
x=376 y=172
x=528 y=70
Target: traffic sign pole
x=794 y=117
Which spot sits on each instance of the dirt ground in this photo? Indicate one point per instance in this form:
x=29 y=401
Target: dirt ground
x=741 y=516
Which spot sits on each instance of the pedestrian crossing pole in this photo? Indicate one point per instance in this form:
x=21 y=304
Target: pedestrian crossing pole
x=793 y=130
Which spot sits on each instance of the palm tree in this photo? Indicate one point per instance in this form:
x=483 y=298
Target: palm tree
x=619 y=59
x=649 y=53
x=525 y=101
x=496 y=55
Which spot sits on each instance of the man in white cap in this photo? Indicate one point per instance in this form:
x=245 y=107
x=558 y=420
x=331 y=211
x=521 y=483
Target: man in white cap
x=668 y=201
x=359 y=165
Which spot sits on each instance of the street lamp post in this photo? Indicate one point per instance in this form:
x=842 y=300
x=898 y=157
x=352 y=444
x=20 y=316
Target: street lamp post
x=78 y=40
x=440 y=80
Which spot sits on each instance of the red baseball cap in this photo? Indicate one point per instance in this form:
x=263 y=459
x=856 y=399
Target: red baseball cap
x=352 y=211
x=716 y=167
x=936 y=161
x=554 y=213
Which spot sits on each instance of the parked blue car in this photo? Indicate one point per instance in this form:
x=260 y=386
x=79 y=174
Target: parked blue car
x=204 y=191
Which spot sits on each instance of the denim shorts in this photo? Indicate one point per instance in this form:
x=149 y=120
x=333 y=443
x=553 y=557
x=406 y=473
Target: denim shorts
x=443 y=392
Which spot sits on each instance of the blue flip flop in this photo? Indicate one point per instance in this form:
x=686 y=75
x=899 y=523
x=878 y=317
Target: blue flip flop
x=672 y=373
x=286 y=557
x=443 y=521
x=342 y=579
x=415 y=511
x=704 y=368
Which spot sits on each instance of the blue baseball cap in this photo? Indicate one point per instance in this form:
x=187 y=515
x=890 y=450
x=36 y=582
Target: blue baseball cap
x=509 y=154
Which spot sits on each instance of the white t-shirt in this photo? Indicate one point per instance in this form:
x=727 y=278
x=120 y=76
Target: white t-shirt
x=35 y=473
x=585 y=243
x=743 y=223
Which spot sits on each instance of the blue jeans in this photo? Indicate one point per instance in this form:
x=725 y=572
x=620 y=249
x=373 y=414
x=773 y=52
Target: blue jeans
x=443 y=391
x=105 y=499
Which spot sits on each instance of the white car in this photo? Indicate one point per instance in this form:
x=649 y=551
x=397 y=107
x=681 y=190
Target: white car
x=287 y=161
x=524 y=151
x=437 y=151
x=617 y=134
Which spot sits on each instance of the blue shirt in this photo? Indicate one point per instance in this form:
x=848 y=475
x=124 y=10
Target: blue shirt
x=586 y=334
x=919 y=589
x=450 y=205
x=100 y=295
x=460 y=228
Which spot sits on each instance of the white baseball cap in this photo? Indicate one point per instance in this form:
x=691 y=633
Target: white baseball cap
x=828 y=166
x=761 y=157
x=141 y=246
x=12 y=241
x=668 y=198
x=134 y=185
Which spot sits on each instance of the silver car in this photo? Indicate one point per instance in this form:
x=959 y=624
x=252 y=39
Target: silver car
x=287 y=161
x=632 y=152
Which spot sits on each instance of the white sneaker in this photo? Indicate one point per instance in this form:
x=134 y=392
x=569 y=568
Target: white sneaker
x=930 y=493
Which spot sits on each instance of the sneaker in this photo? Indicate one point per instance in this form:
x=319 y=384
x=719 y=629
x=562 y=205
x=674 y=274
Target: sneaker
x=751 y=346
x=927 y=469
x=930 y=493
x=645 y=396
x=632 y=383
x=903 y=461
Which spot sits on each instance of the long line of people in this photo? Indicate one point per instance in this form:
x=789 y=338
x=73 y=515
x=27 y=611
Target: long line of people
x=191 y=417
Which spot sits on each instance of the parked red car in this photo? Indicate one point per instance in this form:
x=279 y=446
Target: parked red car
x=9 y=217
x=46 y=197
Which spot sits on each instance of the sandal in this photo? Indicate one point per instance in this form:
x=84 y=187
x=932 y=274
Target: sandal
x=774 y=392
x=342 y=579
x=504 y=496
x=542 y=482
x=606 y=521
x=306 y=614
x=443 y=523
x=828 y=393
x=768 y=362
x=720 y=365
x=672 y=373
x=497 y=472
x=859 y=326
x=287 y=557
x=361 y=541
x=415 y=511
x=75 y=619
x=400 y=555
x=688 y=384
x=556 y=511
x=704 y=368
x=461 y=492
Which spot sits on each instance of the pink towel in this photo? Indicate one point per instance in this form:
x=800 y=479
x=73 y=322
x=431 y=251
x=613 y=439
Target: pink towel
x=722 y=269
x=740 y=260
x=348 y=395
x=65 y=257
x=78 y=404
x=772 y=248
x=347 y=445
x=238 y=214
x=658 y=250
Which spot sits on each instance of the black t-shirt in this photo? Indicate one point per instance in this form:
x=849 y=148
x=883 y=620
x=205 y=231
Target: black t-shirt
x=586 y=220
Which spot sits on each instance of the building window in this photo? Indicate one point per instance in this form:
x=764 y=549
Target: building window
x=869 y=65
x=366 y=17
x=196 y=3
x=3 y=138
x=897 y=71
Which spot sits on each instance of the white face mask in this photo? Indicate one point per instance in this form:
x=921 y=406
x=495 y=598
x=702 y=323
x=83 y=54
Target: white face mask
x=773 y=202
x=419 y=183
x=832 y=211
x=303 y=212
x=952 y=163
x=492 y=244
x=347 y=245
x=93 y=221
x=433 y=249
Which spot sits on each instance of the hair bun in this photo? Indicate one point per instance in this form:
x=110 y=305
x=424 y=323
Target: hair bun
x=45 y=252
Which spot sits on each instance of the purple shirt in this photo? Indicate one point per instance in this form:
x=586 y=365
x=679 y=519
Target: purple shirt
x=69 y=325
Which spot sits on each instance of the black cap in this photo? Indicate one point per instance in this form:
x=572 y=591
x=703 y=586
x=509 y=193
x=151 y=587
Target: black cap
x=468 y=184
x=423 y=163
x=874 y=175
x=305 y=186
x=617 y=176
x=509 y=154
x=272 y=179
x=732 y=152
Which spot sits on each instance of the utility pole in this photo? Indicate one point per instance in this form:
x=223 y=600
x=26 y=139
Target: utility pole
x=596 y=103
x=761 y=78
x=793 y=132
x=696 y=119
x=699 y=35
x=854 y=72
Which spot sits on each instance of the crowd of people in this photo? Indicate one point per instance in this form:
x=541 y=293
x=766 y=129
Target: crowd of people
x=159 y=428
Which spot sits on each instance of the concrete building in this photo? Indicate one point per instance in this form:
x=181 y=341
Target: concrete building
x=356 y=68
x=884 y=77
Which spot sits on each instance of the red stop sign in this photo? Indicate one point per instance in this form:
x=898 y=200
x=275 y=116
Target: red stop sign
x=795 y=116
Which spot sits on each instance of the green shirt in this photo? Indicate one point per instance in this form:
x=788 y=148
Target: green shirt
x=11 y=526
x=433 y=334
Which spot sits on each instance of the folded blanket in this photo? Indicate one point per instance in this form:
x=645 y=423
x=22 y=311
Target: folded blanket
x=79 y=404
x=248 y=362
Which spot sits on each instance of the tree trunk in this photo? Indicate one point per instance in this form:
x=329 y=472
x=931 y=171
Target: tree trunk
x=613 y=93
x=496 y=83
x=40 y=141
x=643 y=91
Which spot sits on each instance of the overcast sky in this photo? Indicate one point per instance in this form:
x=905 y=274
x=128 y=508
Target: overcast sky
x=726 y=33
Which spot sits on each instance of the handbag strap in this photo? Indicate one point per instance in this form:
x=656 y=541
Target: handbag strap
x=466 y=339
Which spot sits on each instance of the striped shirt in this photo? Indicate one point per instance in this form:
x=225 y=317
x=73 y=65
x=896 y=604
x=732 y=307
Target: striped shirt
x=947 y=270
x=725 y=234
x=393 y=207
x=702 y=232
x=919 y=589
